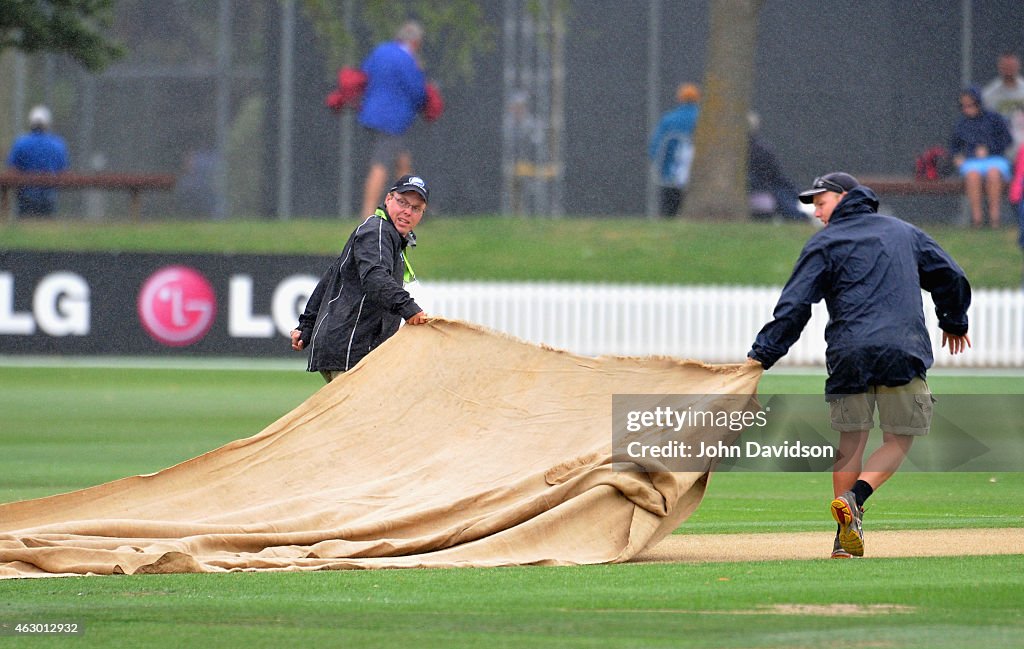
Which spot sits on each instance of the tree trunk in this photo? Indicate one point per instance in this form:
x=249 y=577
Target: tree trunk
x=718 y=180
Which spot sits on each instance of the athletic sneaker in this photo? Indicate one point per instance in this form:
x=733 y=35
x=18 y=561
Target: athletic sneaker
x=849 y=515
x=837 y=550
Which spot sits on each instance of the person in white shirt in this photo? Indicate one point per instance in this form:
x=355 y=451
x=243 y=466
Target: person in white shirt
x=1005 y=95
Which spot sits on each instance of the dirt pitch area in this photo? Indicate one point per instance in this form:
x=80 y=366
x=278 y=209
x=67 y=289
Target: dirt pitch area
x=698 y=548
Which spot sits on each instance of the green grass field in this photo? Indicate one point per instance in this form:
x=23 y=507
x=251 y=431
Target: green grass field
x=590 y=250
x=70 y=427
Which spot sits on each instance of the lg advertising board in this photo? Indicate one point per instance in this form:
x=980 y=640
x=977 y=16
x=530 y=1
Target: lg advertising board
x=153 y=304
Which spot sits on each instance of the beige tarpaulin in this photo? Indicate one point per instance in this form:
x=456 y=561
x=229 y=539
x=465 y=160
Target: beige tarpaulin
x=450 y=445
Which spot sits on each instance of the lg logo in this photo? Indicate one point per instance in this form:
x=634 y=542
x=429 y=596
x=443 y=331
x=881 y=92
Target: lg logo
x=177 y=306
x=60 y=306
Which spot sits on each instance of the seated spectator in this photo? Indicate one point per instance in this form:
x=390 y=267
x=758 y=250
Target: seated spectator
x=980 y=138
x=1005 y=95
x=771 y=192
x=196 y=189
x=38 y=151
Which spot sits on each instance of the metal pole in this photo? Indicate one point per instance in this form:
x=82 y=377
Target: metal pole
x=542 y=77
x=49 y=74
x=87 y=116
x=966 y=38
x=508 y=126
x=653 y=92
x=222 y=205
x=95 y=200
x=284 y=135
x=558 y=109
x=345 y=145
x=529 y=183
x=18 y=109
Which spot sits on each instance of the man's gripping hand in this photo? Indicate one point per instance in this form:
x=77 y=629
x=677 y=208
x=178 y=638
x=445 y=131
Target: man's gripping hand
x=418 y=319
x=297 y=343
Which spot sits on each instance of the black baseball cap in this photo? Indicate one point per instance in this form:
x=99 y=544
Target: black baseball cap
x=836 y=181
x=409 y=183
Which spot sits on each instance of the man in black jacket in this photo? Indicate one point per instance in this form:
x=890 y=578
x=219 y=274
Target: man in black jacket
x=870 y=270
x=360 y=301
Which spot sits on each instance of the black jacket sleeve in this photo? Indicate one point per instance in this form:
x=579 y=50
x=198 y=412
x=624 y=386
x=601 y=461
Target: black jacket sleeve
x=793 y=309
x=308 y=318
x=947 y=283
x=376 y=249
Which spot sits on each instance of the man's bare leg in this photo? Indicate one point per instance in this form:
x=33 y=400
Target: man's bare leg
x=994 y=191
x=845 y=472
x=886 y=459
x=373 y=190
x=403 y=165
x=972 y=186
x=847 y=467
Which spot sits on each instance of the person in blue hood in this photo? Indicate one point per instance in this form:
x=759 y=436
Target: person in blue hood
x=671 y=150
x=979 y=142
x=870 y=270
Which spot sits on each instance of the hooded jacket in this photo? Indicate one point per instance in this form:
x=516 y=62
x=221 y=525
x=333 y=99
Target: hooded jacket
x=986 y=129
x=360 y=301
x=673 y=130
x=870 y=270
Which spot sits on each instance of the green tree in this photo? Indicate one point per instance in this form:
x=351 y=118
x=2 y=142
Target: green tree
x=72 y=27
x=455 y=31
x=718 y=181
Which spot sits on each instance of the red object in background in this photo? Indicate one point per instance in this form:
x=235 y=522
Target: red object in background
x=934 y=163
x=352 y=85
x=349 y=93
x=433 y=108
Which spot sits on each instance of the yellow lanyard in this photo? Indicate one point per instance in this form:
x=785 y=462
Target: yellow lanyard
x=408 y=275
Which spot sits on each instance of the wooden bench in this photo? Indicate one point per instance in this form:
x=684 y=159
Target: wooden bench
x=910 y=186
x=134 y=184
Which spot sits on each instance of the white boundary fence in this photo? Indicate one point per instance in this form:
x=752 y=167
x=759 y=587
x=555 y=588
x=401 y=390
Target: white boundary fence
x=716 y=324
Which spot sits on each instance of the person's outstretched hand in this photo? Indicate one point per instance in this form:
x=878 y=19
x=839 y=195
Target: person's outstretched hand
x=956 y=344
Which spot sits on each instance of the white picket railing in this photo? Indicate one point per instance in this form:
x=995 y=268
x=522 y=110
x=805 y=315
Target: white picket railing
x=712 y=323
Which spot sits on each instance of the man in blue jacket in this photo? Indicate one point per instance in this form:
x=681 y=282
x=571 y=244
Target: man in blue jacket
x=38 y=151
x=870 y=270
x=396 y=90
x=361 y=299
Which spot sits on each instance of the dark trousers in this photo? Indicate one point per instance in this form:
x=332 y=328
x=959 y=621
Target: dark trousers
x=669 y=200
x=36 y=204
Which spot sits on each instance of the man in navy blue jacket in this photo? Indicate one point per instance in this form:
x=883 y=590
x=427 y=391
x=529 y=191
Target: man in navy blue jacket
x=396 y=90
x=870 y=270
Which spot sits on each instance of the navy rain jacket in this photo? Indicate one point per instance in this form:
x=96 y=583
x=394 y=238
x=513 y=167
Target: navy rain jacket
x=869 y=269
x=987 y=129
x=360 y=301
